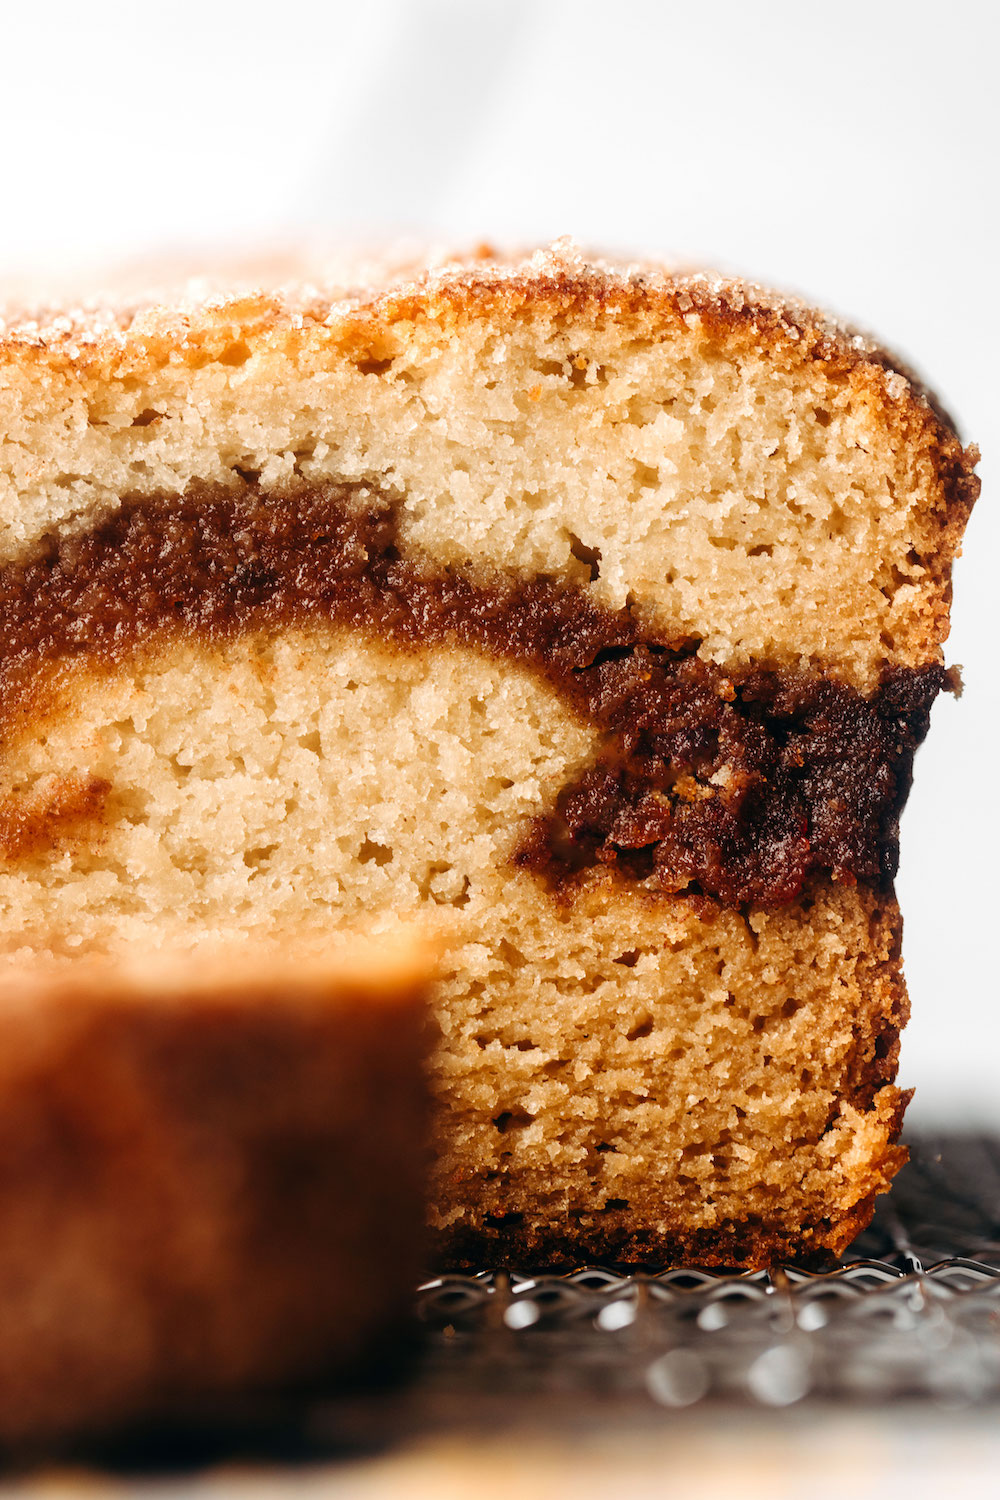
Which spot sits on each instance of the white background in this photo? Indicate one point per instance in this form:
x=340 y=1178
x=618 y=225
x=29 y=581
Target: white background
x=848 y=151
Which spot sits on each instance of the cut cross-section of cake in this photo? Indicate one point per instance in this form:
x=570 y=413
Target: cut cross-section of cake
x=594 y=612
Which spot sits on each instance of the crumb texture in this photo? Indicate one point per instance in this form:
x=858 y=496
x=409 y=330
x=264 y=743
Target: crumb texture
x=626 y=1053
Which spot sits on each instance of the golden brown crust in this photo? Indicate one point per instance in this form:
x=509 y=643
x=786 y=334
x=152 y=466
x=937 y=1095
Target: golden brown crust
x=195 y=319
x=358 y=294
x=199 y=1201
x=874 y=1059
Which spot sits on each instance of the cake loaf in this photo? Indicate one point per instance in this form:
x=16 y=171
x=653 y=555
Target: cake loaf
x=201 y=1211
x=593 y=612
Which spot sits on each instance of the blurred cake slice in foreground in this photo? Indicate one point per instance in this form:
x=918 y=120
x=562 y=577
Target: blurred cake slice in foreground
x=211 y=1184
x=593 y=612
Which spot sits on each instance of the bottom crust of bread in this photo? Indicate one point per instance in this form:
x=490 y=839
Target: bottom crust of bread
x=639 y=1235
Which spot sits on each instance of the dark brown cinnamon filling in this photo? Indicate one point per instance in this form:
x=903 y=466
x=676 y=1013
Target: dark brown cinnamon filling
x=734 y=786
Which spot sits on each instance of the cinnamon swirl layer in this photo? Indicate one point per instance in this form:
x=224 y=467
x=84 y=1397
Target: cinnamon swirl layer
x=733 y=784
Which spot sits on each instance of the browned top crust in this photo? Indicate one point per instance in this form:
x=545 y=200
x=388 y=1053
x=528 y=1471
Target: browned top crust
x=143 y=323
